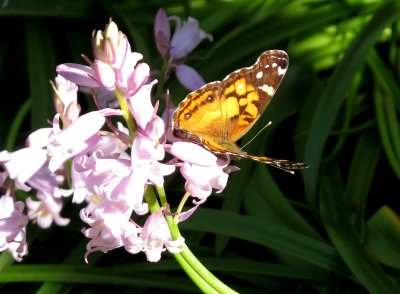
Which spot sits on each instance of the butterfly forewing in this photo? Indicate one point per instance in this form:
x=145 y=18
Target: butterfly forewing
x=247 y=92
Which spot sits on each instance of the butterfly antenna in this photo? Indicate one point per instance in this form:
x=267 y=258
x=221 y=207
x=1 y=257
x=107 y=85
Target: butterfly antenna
x=267 y=125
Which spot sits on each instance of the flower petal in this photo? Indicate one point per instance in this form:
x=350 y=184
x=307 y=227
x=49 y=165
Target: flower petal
x=189 y=77
x=79 y=74
x=192 y=153
x=162 y=32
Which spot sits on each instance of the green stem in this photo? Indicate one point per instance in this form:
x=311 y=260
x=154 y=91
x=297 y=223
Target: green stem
x=162 y=196
x=197 y=272
x=126 y=114
x=181 y=204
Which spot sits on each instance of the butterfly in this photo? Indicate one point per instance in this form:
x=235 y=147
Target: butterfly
x=221 y=112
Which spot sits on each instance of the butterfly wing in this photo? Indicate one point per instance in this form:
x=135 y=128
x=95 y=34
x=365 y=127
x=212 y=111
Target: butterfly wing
x=198 y=117
x=246 y=93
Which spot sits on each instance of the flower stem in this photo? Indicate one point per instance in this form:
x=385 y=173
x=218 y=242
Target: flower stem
x=181 y=204
x=204 y=275
x=126 y=114
x=198 y=273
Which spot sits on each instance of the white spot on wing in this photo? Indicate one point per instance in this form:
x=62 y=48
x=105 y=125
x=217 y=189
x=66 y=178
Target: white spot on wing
x=274 y=65
x=259 y=75
x=267 y=89
x=281 y=71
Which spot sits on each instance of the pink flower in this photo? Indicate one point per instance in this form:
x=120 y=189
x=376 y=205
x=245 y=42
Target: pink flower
x=202 y=170
x=145 y=168
x=131 y=240
x=107 y=161
x=140 y=105
x=130 y=189
x=189 y=77
x=186 y=37
x=78 y=137
x=13 y=227
x=108 y=221
x=162 y=32
x=48 y=183
x=110 y=46
x=79 y=74
x=155 y=235
x=65 y=99
x=147 y=152
x=200 y=180
x=114 y=66
x=132 y=75
x=45 y=211
x=22 y=164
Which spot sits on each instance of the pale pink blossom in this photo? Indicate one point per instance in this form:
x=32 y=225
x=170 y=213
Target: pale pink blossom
x=162 y=32
x=104 y=74
x=130 y=189
x=110 y=46
x=200 y=180
x=107 y=161
x=78 y=137
x=112 y=175
x=65 y=99
x=189 y=77
x=193 y=153
x=202 y=170
x=48 y=183
x=22 y=164
x=187 y=36
x=147 y=152
x=157 y=237
x=114 y=66
x=79 y=74
x=40 y=137
x=108 y=221
x=140 y=105
x=132 y=75
x=46 y=210
x=131 y=240
x=13 y=227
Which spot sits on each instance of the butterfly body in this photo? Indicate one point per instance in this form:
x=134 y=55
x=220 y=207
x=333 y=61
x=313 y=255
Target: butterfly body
x=220 y=113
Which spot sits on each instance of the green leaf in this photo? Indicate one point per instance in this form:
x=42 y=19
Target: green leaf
x=41 y=66
x=336 y=89
x=382 y=237
x=346 y=240
x=361 y=174
x=272 y=236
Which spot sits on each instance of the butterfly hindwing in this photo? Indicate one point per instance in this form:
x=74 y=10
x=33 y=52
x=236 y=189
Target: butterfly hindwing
x=200 y=113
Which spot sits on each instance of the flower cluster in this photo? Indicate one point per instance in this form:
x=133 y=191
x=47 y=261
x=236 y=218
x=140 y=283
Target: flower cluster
x=106 y=166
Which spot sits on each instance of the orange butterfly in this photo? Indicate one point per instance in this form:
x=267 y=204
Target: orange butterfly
x=220 y=113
